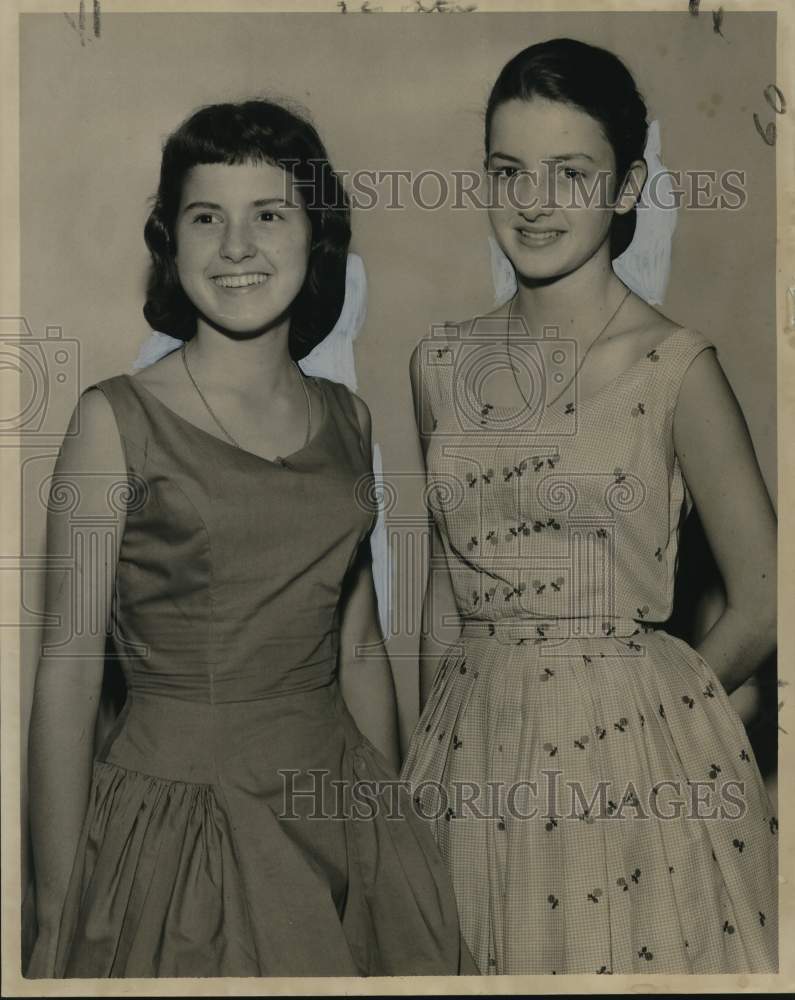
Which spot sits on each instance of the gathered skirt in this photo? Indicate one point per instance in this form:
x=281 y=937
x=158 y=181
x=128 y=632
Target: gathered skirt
x=599 y=808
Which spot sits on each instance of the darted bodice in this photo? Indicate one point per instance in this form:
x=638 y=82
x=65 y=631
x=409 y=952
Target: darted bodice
x=231 y=566
x=570 y=512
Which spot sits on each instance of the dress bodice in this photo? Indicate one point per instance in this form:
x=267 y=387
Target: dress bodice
x=568 y=511
x=230 y=571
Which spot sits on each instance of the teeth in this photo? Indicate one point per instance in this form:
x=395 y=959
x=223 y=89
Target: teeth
x=239 y=280
x=531 y=237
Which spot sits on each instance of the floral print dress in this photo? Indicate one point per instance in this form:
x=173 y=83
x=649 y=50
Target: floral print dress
x=591 y=787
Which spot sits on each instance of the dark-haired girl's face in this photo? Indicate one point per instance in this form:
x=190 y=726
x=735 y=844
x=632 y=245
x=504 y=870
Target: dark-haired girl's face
x=242 y=244
x=553 y=176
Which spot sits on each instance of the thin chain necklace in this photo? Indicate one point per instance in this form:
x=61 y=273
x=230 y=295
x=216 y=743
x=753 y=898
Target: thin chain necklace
x=582 y=361
x=221 y=426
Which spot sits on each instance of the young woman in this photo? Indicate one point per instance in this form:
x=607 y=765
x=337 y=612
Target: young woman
x=591 y=786
x=218 y=832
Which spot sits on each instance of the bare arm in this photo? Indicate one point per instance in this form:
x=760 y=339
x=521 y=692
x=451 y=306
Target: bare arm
x=69 y=675
x=722 y=473
x=439 y=601
x=366 y=679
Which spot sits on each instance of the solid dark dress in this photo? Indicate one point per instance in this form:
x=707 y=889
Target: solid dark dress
x=195 y=858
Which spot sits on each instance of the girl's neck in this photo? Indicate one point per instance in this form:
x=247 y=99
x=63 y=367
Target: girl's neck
x=261 y=363
x=571 y=303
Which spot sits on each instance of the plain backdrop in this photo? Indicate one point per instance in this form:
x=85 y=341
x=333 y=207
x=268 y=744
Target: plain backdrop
x=387 y=92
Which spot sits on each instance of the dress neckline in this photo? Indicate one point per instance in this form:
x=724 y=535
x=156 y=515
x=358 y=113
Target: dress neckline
x=559 y=407
x=273 y=462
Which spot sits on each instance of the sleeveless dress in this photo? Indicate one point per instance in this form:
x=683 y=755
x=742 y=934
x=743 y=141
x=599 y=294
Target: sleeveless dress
x=218 y=841
x=568 y=738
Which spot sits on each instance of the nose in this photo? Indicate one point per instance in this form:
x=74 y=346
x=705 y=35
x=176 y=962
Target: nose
x=237 y=243
x=530 y=195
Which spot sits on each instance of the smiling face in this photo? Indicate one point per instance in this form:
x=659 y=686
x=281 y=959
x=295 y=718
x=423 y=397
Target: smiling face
x=242 y=245
x=544 y=156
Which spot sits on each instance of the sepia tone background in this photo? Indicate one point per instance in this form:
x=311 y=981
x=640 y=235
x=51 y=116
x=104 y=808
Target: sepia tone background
x=387 y=92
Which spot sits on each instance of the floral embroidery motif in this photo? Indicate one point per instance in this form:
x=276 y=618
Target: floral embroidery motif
x=595 y=896
x=520 y=529
x=553 y=901
x=638 y=410
x=653 y=355
x=517 y=470
x=549 y=523
x=687 y=700
x=645 y=953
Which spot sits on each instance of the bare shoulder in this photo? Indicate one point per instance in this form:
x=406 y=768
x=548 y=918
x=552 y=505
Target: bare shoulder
x=92 y=449
x=642 y=326
x=362 y=412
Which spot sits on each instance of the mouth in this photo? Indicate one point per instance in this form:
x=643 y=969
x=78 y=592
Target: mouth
x=538 y=237
x=240 y=280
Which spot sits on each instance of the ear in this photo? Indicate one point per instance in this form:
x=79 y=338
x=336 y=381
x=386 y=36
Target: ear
x=629 y=194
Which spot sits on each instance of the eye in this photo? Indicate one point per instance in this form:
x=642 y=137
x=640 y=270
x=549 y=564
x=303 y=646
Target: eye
x=571 y=173
x=504 y=171
x=205 y=218
x=268 y=215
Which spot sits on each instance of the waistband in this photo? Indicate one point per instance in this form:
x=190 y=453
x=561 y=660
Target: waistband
x=514 y=631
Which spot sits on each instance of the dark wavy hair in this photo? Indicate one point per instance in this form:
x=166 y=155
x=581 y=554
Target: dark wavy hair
x=596 y=82
x=252 y=131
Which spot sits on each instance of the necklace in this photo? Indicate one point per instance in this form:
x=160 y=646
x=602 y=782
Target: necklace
x=582 y=361
x=226 y=433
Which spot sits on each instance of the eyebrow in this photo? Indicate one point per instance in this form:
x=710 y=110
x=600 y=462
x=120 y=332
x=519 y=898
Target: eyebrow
x=554 y=158
x=259 y=203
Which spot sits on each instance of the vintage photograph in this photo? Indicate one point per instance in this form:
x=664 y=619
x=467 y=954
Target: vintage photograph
x=392 y=412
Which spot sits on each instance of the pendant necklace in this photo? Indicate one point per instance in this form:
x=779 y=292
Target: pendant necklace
x=226 y=433
x=582 y=361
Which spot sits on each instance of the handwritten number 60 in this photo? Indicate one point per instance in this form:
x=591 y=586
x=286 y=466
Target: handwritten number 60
x=776 y=100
